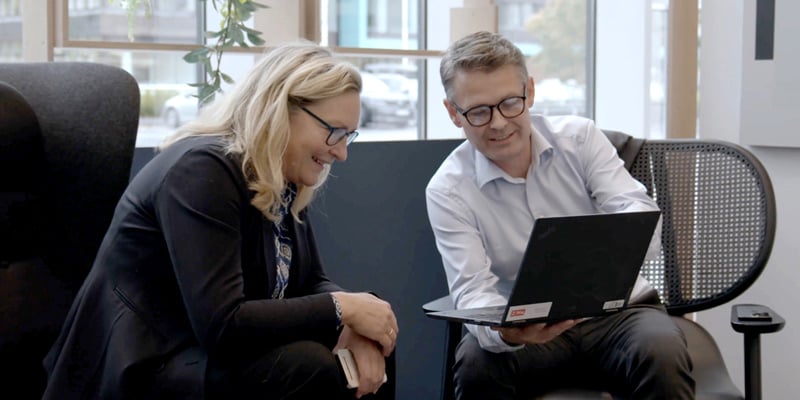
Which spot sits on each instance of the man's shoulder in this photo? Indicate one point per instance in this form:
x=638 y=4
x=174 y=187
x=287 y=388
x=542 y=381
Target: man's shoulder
x=456 y=167
x=563 y=126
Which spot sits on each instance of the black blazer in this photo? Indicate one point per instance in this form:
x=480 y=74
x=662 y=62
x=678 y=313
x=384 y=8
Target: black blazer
x=183 y=280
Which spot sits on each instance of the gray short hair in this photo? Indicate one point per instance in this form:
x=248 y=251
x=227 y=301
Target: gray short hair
x=479 y=51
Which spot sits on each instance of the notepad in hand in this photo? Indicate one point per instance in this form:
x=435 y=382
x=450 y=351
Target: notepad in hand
x=350 y=368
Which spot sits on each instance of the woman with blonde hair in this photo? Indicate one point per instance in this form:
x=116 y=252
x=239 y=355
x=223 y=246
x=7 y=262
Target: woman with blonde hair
x=208 y=282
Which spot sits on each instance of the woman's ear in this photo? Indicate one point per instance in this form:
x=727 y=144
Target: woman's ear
x=452 y=112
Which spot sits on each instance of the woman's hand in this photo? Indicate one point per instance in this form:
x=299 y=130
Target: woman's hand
x=371 y=317
x=369 y=359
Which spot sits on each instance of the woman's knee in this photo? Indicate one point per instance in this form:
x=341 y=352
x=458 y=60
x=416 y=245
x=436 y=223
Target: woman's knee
x=308 y=360
x=296 y=370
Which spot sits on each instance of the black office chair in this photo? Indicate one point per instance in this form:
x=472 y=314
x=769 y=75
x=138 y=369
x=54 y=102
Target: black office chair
x=718 y=229
x=67 y=137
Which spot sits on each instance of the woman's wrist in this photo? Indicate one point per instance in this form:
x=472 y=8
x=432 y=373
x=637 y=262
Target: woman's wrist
x=345 y=306
x=338 y=309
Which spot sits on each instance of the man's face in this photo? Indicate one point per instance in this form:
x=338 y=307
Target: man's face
x=504 y=140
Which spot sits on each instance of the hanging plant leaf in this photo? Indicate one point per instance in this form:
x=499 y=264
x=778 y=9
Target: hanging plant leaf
x=197 y=55
x=232 y=33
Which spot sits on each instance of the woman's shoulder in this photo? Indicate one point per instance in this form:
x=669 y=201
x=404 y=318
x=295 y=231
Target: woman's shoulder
x=196 y=148
x=205 y=143
x=196 y=157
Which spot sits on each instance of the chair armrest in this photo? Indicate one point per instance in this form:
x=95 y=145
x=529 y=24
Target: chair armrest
x=752 y=320
x=755 y=319
x=441 y=304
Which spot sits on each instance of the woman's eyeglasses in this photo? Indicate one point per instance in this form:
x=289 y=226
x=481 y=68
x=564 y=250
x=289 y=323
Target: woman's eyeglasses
x=336 y=134
x=509 y=107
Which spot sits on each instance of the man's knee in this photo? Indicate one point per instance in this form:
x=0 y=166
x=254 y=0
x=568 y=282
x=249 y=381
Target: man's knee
x=476 y=369
x=664 y=365
x=662 y=348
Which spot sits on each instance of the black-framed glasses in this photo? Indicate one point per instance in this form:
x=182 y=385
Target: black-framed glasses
x=509 y=107
x=336 y=133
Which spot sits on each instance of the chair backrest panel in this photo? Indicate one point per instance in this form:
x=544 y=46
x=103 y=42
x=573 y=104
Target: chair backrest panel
x=69 y=148
x=718 y=220
x=89 y=115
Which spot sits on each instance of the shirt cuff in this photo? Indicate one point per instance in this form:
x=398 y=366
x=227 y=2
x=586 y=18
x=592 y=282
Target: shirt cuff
x=338 y=308
x=491 y=341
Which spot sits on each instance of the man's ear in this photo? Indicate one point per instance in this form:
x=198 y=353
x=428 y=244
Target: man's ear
x=530 y=88
x=451 y=111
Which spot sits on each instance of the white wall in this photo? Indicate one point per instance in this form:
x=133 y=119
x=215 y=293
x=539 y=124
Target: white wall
x=771 y=88
x=622 y=66
x=726 y=112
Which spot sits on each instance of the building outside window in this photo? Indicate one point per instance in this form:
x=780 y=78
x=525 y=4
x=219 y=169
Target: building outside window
x=395 y=43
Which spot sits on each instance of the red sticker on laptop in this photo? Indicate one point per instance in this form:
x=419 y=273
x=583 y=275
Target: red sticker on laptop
x=526 y=311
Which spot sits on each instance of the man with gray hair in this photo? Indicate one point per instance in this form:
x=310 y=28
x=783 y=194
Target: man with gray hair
x=482 y=202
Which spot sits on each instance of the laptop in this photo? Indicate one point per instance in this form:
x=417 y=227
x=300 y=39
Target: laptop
x=573 y=267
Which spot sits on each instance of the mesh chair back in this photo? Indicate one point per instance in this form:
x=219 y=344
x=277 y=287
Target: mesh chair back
x=718 y=220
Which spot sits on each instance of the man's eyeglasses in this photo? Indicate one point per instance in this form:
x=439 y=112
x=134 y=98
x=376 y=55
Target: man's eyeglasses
x=336 y=134
x=509 y=107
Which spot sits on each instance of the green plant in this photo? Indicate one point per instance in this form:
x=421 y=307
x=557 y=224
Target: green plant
x=232 y=33
x=130 y=7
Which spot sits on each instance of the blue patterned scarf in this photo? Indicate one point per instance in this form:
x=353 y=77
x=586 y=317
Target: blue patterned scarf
x=283 y=243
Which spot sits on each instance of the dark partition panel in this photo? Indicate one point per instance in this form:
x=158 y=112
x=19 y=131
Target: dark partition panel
x=372 y=230
x=372 y=226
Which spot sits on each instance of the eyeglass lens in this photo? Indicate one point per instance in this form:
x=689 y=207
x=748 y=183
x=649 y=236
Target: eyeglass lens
x=508 y=108
x=337 y=134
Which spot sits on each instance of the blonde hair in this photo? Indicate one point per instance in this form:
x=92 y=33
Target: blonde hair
x=479 y=51
x=253 y=117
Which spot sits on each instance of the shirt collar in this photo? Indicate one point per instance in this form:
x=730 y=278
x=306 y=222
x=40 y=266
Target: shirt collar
x=487 y=171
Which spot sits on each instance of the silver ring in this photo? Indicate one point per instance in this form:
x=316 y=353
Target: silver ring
x=391 y=331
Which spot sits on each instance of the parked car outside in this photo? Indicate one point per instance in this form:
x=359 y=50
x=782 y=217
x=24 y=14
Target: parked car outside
x=400 y=83
x=381 y=104
x=179 y=109
x=407 y=70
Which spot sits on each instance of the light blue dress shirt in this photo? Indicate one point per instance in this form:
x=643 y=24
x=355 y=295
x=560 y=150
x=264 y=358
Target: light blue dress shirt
x=482 y=217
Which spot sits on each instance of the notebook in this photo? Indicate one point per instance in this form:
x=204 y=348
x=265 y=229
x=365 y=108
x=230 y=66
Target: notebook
x=573 y=267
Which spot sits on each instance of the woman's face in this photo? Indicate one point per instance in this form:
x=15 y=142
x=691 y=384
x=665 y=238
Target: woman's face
x=307 y=153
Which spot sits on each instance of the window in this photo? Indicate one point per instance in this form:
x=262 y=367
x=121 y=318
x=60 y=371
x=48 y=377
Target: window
x=396 y=44
x=553 y=34
x=105 y=21
x=10 y=31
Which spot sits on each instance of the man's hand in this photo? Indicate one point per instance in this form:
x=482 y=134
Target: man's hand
x=534 y=333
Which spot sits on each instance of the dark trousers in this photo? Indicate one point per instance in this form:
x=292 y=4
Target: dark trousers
x=638 y=353
x=299 y=370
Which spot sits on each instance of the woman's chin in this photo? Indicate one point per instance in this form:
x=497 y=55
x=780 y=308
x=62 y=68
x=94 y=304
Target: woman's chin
x=315 y=178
